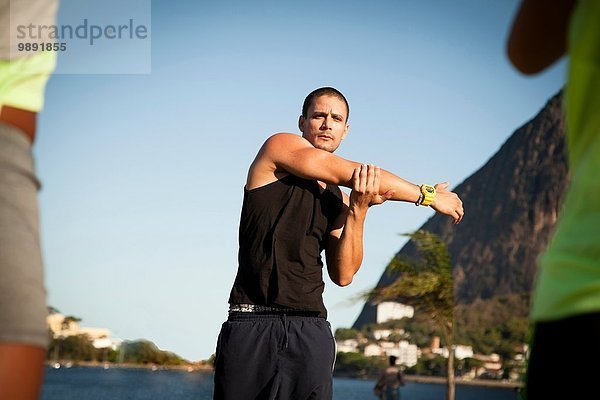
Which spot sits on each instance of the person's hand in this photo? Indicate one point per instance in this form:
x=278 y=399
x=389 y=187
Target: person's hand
x=365 y=188
x=448 y=203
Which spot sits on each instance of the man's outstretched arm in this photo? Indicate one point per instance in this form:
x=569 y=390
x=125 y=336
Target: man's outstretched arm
x=292 y=153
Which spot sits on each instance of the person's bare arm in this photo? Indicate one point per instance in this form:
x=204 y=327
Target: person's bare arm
x=293 y=154
x=21 y=371
x=538 y=36
x=344 y=250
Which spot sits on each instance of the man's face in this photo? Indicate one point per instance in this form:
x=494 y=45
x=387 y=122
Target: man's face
x=325 y=123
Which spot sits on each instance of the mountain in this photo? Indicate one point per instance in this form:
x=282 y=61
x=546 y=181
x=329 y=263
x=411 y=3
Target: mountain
x=511 y=207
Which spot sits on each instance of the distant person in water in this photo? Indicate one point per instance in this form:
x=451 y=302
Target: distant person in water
x=277 y=343
x=389 y=382
x=566 y=304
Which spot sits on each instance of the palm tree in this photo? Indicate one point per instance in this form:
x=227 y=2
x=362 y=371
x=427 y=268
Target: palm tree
x=427 y=284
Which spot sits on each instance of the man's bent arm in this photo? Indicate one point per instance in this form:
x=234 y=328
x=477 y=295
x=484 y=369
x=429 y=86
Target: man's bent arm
x=344 y=249
x=345 y=254
x=294 y=154
x=297 y=156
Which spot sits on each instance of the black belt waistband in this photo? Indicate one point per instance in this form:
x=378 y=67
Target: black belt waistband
x=257 y=309
x=241 y=316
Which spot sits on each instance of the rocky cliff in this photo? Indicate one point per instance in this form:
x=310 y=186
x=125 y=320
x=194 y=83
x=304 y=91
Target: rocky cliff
x=511 y=207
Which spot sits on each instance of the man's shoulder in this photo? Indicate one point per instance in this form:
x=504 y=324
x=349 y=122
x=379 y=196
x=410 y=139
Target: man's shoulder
x=266 y=165
x=285 y=139
x=279 y=145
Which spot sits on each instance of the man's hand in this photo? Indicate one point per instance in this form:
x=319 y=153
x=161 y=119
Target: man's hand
x=448 y=203
x=365 y=188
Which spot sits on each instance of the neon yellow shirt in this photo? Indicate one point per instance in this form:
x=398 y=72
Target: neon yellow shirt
x=23 y=80
x=569 y=277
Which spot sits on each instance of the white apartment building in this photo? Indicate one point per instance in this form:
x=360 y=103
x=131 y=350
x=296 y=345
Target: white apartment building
x=461 y=351
x=406 y=353
x=100 y=336
x=390 y=310
x=382 y=334
x=347 y=346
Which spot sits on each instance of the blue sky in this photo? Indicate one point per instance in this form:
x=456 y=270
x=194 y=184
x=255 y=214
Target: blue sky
x=142 y=174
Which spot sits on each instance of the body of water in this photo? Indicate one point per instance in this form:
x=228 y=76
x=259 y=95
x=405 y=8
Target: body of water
x=86 y=383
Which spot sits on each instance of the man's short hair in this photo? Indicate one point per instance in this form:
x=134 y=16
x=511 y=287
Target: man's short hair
x=324 y=91
x=393 y=360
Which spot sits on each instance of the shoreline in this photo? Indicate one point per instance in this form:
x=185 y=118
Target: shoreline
x=442 y=381
x=468 y=382
x=107 y=365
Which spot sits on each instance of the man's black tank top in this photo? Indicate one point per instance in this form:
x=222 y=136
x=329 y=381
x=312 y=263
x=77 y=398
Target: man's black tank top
x=283 y=230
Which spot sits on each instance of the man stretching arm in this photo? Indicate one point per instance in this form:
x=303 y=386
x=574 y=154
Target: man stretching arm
x=276 y=342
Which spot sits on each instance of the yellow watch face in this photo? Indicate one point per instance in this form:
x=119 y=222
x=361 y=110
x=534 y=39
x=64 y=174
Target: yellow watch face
x=428 y=194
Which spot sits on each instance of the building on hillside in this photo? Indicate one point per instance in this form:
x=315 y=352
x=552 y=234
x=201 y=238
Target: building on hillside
x=491 y=358
x=390 y=310
x=94 y=333
x=407 y=354
x=383 y=334
x=62 y=327
x=56 y=323
x=441 y=351
x=380 y=334
x=107 y=343
x=347 y=346
x=461 y=351
x=490 y=370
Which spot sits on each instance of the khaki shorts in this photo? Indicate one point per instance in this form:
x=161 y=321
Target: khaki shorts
x=23 y=308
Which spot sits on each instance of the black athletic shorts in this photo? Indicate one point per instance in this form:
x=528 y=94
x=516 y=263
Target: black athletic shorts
x=564 y=359
x=274 y=357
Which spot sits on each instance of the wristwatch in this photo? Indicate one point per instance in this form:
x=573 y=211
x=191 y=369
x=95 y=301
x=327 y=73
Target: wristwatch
x=427 y=195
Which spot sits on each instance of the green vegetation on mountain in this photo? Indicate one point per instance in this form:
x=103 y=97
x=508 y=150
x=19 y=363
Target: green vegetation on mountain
x=497 y=325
